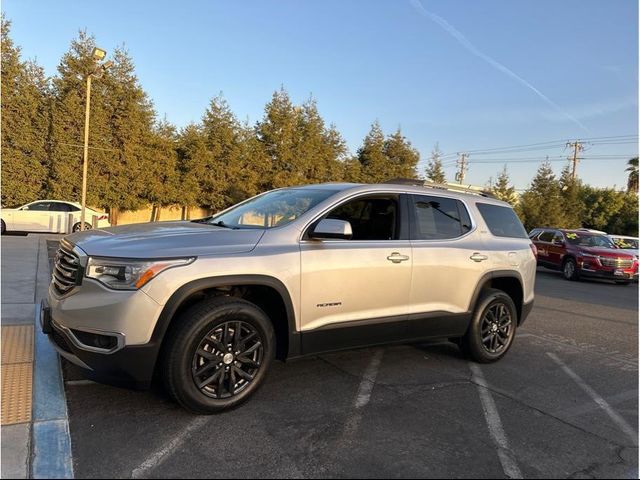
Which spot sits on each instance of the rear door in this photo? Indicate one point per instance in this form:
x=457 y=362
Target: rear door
x=356 y=292
x=449 y=259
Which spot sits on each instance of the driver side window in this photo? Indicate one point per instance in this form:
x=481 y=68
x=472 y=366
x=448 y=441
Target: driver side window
x=371 y=218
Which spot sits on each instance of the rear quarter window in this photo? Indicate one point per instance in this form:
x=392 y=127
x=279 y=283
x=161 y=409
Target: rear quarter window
x=502 y=221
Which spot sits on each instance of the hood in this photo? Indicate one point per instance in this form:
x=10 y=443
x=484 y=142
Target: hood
x=607 y=252
x=165 y=240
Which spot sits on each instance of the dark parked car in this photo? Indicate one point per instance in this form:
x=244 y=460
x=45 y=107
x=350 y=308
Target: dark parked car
x=580 y=253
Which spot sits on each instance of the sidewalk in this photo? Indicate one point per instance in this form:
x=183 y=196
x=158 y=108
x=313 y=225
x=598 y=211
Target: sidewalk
x=28 y=366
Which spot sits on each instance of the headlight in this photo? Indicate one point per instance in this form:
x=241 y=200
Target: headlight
x=588 y=256
x=129 y=274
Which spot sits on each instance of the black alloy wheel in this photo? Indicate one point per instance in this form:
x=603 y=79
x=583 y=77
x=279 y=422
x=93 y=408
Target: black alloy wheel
x=217 y=354
x=227 y=359
x=496 y=328
x=493 y=327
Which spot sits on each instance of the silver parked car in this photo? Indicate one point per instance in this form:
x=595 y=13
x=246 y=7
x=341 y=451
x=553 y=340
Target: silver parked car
x=208 y=304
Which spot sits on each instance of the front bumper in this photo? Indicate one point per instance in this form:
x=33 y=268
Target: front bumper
x=610 y=274
x=108 y=334
x=130 y=366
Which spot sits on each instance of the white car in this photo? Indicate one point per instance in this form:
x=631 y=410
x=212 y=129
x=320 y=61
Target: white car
x=49 y=216
x=626 y=243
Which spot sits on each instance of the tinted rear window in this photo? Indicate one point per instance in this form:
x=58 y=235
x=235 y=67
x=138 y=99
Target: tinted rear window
x=502 y=221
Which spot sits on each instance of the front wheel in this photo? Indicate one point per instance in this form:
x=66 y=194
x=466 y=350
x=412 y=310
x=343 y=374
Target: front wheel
x=3 y=227
x=219 y=354
x=492 y=329
x=570 y=269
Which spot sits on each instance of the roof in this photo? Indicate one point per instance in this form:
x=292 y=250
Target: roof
x=410 y=186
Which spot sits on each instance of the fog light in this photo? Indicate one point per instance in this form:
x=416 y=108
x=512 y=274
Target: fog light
x=104 y=342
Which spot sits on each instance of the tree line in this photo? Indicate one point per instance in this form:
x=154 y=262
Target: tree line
x=137 y=159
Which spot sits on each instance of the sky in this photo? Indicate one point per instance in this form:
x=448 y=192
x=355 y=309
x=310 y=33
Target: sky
x=470 y=75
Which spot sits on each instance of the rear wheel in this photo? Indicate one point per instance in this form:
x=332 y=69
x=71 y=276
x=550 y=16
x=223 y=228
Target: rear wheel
x=570 y=269
x=76 y=227
x=218 y=355
x=492 y=329
x=3 y=227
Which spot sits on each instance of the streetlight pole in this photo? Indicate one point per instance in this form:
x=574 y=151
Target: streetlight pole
x=85 y=162
x=98 y=54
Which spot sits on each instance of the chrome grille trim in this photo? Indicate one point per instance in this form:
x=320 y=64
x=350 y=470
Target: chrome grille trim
x=616 y=262
x=66 y=269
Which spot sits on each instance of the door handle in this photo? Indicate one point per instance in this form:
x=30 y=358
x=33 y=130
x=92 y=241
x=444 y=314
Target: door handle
x=395 y=257
x=478 y=257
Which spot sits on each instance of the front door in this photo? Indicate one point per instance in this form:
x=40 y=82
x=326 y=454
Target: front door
x=33 y=217
x=356 y=292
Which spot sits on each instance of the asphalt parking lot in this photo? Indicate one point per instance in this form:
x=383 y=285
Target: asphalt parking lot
x=563 y=403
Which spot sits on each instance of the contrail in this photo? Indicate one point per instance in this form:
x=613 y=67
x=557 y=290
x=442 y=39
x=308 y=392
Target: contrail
x=451 y=30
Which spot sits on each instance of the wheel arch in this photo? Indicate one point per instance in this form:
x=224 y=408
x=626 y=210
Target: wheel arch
x=508 y=281
x=269 y=293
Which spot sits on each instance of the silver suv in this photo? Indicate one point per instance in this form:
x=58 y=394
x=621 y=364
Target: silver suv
x=207 y=304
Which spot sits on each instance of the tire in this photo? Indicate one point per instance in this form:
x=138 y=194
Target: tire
x=570 y=269
x=76 y=227
x=494 y=306
x=199 y=351
x=3 y=227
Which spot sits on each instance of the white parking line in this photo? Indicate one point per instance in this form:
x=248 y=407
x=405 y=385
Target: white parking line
x=368 y=380
x=160 y=456
x=362 y=397
x=507 y=459
x=601 y=402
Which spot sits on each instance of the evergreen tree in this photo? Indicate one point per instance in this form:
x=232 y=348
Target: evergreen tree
x=25 y=125
x=372 y=158
x=277 y=134
x=319 y=150
x=120 y=131
x=402 y=158
x=435 y=171
x=162 y=174
x=542 y=204
x=191 y=154
x=570 y=192
x=503 y=189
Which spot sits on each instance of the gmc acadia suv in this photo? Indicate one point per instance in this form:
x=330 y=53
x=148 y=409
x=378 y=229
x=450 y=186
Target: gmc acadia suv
x=583 y=253
x=206 y=305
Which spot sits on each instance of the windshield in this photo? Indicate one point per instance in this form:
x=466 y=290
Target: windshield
x=272 y=209
x=626 y=243
x=589 y=240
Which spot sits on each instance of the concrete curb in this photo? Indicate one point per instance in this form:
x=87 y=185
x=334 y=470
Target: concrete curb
x=51 y=455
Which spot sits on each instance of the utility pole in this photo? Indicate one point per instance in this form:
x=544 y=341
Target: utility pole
x=578 y=147
x=97 y=55
x=463 y=166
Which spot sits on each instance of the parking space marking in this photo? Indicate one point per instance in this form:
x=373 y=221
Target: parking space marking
x=499 y=437
x=161 y=455
x=601 y=402
x=368 y=380
x=363 y=396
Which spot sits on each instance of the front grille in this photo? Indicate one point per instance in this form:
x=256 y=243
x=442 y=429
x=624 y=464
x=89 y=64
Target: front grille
x=616 y=262
x=66 y=269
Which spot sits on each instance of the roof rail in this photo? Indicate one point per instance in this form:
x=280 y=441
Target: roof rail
x=440 y=186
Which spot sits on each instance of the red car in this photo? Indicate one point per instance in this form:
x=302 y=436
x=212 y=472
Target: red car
x=579 y=253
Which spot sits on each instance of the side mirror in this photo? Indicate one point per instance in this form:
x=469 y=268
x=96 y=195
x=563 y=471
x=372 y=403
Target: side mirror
x=26 y=207
x=330 y=228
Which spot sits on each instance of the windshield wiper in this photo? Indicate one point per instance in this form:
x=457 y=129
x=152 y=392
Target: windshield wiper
x=220 y=223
